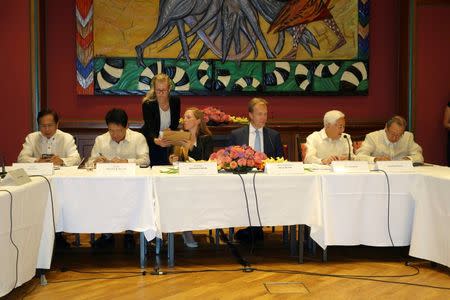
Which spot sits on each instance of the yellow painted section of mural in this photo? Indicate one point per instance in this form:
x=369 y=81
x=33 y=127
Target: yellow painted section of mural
x=120 y=25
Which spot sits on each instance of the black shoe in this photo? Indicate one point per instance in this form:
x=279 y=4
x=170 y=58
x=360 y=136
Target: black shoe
x=60 y=242
x=104 y=241
x=128 y=241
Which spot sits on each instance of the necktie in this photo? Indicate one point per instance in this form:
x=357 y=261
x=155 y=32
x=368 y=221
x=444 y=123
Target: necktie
x=257 y=141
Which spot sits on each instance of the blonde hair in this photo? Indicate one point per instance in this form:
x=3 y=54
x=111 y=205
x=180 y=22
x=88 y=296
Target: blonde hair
x=256 y=101
x=199 y=115
x=160 y=77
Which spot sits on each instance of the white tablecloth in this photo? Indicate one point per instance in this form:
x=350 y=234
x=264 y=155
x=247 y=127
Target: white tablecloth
x=355 y=209
x=30 y=205
x=88 y=203
x=431 y=223
x=218 y=201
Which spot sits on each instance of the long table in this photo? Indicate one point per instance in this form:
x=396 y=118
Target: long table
x=341 y=209
x=31 y=218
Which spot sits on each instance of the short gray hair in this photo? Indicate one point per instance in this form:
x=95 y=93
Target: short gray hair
x=332 y=116
x=399 y=120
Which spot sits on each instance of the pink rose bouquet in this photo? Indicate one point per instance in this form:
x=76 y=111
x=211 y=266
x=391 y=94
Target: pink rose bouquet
x=238 y=159
x=214 y=116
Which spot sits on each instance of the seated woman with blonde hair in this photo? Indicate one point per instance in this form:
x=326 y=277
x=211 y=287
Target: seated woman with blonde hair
x=198 y=147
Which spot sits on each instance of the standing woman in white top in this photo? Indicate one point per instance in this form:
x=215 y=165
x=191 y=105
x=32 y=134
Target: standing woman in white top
x=160 y=112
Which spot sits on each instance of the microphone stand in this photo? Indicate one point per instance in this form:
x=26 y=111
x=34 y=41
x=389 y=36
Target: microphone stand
x=3 y=172
x=349 y=149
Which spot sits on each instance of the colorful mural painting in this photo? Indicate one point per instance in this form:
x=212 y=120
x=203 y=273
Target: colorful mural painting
x=223 y=47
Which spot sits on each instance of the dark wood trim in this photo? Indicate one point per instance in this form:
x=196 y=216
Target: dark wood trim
x=293 y=132
x=95 y=125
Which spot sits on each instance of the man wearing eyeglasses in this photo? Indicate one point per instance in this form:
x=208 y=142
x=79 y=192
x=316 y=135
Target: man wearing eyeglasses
x=49 y=144
x=390 y=143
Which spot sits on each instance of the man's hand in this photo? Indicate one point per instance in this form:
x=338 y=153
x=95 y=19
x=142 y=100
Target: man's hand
x=100 y=159
x=327 y=161
x=42 y=160
x=56 y=160
x=117 y=160
x=343 y=157
x=382 y=158
x=162 y=142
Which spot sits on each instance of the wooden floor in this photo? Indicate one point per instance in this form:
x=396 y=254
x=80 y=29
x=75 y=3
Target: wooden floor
x=213 y=273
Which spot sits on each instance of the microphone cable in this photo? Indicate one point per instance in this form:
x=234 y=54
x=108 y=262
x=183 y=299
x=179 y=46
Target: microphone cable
x=10 y=234
x=252 y=237
x=246 y=199
x=51 y=198
x=256 y=199
x=388 y=205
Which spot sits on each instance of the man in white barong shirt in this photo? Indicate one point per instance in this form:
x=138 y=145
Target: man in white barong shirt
x=120 y=144
x=330 y=143
x=390 y=143
x=49 y=144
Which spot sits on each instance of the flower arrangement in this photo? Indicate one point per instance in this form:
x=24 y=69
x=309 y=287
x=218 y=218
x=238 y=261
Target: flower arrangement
x=240 y=159
x=214 y=116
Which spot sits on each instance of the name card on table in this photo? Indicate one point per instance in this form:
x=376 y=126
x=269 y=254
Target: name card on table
x=116 y=169
x=15 y=177
x=395 y=166
x=349 y=166
x=45 y=169
x=284 y=168
x=197 y=168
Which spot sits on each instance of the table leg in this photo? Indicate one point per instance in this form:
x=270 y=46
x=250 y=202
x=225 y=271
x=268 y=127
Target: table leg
x=158 y=242
x=143 y=252
x=285 y=235
x=171 y=250
x=301 y=241
x=231 y=234
x=293 y=239
x=217 y=238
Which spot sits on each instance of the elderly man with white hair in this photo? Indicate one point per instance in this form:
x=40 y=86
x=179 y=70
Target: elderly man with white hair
x=330 y=143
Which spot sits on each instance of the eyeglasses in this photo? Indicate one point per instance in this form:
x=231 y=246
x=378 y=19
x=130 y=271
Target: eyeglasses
x=394 y=135
x=43 y=126
x=161 y=91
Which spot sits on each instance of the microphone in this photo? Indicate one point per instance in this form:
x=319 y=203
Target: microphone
x=3 y=172
x=348 y=143
x=271 y=143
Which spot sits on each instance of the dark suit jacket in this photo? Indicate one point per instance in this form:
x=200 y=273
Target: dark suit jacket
x=152 y=125
x=203 y=149
x=272 y=140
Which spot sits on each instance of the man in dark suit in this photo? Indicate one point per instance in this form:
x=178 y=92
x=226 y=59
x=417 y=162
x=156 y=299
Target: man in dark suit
x=256 y=135
x=260 y=138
